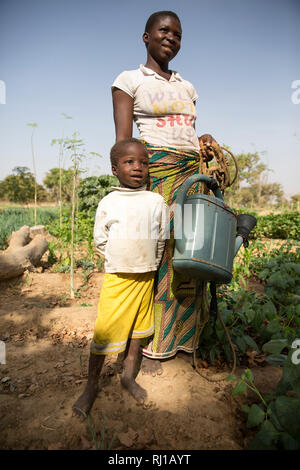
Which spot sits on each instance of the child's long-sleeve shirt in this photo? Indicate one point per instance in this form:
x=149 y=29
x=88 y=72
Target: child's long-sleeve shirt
x=131 y=226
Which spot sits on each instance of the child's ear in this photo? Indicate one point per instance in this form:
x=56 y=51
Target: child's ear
x=114 y=170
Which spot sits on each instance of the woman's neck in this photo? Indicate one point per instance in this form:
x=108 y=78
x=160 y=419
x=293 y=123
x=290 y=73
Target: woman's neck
x=160 y=69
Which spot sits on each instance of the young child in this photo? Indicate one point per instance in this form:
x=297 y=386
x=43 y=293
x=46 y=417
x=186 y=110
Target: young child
x=130 y=229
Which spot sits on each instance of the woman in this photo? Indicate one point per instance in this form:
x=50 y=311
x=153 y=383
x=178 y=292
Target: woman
x=162 y=104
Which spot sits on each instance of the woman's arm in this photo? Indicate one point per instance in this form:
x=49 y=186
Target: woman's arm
x=206 y=142
x=123 y=114
x=207 y=139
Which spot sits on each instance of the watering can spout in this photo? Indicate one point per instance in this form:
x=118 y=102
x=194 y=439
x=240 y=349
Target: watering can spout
x=245 y=223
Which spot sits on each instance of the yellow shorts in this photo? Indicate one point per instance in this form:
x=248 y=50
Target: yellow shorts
x=125 y=310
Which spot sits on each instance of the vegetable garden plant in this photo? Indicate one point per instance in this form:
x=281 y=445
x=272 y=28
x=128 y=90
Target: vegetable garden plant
x=269 y=324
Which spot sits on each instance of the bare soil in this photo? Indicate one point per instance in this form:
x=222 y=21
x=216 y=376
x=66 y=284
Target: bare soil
x=47 y=339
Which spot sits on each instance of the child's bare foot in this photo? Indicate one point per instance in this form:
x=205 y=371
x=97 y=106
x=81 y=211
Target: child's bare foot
x=151 y=366
x=138 y=392
x=85 y=401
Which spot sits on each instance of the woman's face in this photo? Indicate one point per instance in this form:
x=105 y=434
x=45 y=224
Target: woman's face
x=164 y=38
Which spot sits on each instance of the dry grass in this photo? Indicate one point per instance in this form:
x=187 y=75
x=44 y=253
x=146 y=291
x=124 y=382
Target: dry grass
x=9 y=205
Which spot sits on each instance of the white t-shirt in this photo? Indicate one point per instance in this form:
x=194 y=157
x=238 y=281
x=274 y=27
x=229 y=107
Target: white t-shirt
x=163 y=110
x=131 y=226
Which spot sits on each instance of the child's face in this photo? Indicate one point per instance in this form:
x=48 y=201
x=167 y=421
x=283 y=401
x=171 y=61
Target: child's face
x=163 y=40
x=132 y=167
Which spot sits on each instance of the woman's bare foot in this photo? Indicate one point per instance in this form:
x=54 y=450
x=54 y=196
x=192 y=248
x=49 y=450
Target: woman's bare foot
x=138 y=392
x=85 y=401
x=151 y=366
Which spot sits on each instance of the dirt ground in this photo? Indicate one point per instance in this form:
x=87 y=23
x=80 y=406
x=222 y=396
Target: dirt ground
x=47 y=348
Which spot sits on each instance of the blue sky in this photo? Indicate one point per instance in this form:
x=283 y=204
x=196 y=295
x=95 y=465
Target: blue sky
x=62 y=56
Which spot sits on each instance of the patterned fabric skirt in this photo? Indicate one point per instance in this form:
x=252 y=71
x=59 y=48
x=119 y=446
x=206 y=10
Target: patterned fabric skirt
x=176 y=299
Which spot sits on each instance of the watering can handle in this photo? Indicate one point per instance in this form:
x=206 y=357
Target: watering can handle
x=211 y=183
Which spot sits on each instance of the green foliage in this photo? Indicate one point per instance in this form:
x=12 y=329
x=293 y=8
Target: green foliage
x=250 y=168
x=19 y=187
x=84 y=227
x=251 y=186
x=84 y=234
x=241 y=313
x=280 y=271
x=271 y=320
x=52 y=256
x=75 y=145
x=295 y=199
x=51 y=181
x=90 y=192
x=93 y=189
x=265 y=321
x=276 y=417
x=282 y=226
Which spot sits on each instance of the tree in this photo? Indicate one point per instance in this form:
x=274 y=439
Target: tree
x=19 y=187
x=42 y=193
x=272 y=193
x=58 y=181
x=251 y=186
x=296 y=201
x=250 y=168
x=3 y=194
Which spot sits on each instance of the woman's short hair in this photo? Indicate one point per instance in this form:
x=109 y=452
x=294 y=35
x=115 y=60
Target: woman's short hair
x=159 y=14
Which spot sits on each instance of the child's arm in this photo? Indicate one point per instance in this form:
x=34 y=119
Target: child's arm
x=164 y=231
x=100 y=228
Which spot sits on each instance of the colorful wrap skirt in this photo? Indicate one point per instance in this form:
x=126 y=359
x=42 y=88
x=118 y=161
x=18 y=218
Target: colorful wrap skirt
x=176 y=301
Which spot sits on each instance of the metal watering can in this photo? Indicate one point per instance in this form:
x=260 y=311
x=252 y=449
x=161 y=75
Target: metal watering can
x=208 y=234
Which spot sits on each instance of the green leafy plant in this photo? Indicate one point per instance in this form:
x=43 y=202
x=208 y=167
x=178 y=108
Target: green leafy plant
x=77 y=154
x=52 y=258
x=92 y=189
x=285 y=225
x=243 y=264
x=254 y=318
x=276 y=416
